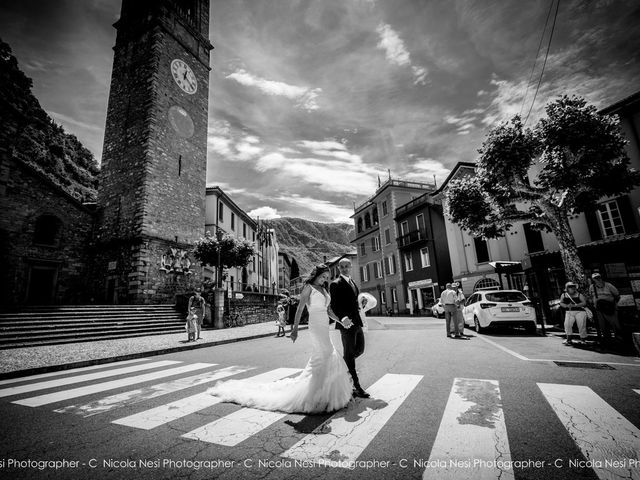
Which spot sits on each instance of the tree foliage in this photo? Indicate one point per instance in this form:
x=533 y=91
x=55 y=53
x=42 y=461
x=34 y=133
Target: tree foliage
x=543 y=175
x=234 y=252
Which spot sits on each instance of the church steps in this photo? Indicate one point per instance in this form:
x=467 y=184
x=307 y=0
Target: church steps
x=70 y=323
x=29 y=342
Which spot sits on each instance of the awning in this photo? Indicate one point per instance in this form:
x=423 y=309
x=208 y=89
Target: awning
x=506 y=266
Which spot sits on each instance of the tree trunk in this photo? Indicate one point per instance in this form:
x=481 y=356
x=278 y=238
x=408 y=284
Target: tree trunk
x=559 y=224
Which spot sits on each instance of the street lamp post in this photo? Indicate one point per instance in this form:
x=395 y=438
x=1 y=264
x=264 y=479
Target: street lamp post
x=218 y=321
x=219 y=235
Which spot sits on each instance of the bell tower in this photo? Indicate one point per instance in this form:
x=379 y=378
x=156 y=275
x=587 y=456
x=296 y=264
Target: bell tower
x=151 y=195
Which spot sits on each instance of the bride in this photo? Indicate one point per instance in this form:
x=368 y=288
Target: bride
x=323 y=386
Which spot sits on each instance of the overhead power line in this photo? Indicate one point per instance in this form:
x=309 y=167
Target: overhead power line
x=546 y=55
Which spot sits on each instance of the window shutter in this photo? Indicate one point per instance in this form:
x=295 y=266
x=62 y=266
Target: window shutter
x=626 y=212
x=591 y=218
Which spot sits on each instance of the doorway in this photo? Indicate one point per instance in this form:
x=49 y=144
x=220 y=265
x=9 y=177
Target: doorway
x=42 y=285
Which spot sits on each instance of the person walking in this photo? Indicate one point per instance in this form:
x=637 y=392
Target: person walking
x=604 y=297
x=448 y=300
x=573 y=303
x=460 y=298
x=196 y=308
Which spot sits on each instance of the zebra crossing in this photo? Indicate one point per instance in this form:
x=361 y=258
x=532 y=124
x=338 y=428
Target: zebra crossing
x=472 y=425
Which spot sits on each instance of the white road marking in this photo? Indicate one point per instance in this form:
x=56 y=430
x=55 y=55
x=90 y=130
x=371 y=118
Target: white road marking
x=340 y=440
x=145 y=393
x=605 y=437
x=70 y=371
x=236 y=427
x=504 y=349
x=32 y=387
x=155 y=417
x=101 y=387
x=472 y=439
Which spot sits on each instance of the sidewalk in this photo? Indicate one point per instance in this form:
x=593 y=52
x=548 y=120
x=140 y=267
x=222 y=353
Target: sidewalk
x=18 y=362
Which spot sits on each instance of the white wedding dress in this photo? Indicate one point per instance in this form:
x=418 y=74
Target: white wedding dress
x=323 y=386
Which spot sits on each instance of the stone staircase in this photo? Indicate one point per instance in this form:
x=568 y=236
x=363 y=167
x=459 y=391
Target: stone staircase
x=49 y=325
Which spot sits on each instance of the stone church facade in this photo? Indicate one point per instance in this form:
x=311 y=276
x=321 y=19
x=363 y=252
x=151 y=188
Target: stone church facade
x=132 y=247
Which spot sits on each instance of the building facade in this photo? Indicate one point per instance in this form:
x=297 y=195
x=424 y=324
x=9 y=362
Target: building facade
x=375 y=234
x=223 y=214
x=424 y=252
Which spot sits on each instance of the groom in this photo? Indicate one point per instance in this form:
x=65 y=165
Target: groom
x=344 y=303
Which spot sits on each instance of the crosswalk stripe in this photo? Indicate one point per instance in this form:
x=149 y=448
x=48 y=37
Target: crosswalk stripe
x=71 y=371
x=341 y=439
x=146 y=393
x=236 y=427
x=606 y=438
x=32 y=387
x=155 y=417
x=472 y=437
x=59 y=396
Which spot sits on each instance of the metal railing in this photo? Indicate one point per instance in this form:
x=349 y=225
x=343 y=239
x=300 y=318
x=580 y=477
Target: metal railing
x=422 y=199
x=411 y=238
x=396 y=183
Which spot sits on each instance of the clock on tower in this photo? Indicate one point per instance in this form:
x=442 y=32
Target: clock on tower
x=153 y=178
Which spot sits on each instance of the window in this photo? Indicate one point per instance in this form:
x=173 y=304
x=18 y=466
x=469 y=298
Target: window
x=610 y=219
x=363 y=249
x=424 y=257
x=385 y=212
x=387 y=236
x=408 y=262
x=404 y=228
x=367 y=220
x=533 y=239
x=394 y=295
x=359 y=225
x=377 y=270
x=244 y=230
x=383 y=297
x=221 y=211
x=420 y=222
x=375 y=243
x=506 y=297
x=375 y=216
x=253 y=263
x=253 y=236
x=233 y=221
x=364 y=274
x=482 y=250
x=46 y=230
x=390 y=265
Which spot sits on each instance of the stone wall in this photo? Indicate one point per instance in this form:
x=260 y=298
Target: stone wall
x=25 y=195
x=252 y=308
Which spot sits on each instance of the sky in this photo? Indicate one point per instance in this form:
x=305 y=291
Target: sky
x=311 y=101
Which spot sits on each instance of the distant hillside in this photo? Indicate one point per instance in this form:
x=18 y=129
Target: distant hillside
x=29 y=132
x=310 y=242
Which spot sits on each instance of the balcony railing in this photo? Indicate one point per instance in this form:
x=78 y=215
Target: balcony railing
x=431 y=187
x=417 y=236
x=422 y=199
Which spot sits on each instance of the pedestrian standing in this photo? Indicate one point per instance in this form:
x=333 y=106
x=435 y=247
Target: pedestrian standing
x=460 y=298
x=281 y=322
x=573 y=303
x=605 y=299
x=196 y=308
x=448 y=300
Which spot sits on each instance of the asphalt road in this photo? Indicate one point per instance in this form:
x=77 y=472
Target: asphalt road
x=491 y=406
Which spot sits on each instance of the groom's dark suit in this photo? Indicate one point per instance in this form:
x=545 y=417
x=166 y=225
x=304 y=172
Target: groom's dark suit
x=344 y=303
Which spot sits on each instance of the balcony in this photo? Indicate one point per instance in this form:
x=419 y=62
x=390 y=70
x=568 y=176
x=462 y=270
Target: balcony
x=416 y=202
x=412 y=238
x=430 y=187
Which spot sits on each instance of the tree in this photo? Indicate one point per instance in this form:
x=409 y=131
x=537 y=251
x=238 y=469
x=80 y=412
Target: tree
x=227 y=250
x=562 y=166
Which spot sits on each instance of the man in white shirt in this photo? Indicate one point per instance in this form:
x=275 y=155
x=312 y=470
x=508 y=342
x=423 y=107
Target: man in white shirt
x=448 y=299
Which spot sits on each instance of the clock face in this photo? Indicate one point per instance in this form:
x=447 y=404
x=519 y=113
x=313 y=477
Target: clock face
x=184 y=76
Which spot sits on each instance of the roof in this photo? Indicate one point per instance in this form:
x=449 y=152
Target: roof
x=217 y=191
x=451 y=175
x=625 y=103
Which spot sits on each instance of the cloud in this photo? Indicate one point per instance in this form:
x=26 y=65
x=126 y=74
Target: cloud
x=264 y=213
x=428 y=167
x=397 y=53
x=323 y=210
x=65 y=119
x=304 y=97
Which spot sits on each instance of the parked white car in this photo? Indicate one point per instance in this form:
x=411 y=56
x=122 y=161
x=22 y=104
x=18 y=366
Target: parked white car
x=499 y=307
x=437 y=310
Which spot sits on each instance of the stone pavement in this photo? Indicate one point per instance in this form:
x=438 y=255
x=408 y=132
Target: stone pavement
x=16 y=362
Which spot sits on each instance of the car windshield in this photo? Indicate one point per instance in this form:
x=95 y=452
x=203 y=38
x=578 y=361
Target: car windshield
x=506 y=297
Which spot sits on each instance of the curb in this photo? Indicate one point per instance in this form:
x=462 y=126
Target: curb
x=130 y=356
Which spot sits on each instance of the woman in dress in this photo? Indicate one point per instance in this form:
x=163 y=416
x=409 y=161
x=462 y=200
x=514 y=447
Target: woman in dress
x=323 y=386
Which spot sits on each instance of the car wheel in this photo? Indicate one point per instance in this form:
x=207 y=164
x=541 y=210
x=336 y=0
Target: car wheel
x=531 y=328
x=476 y=323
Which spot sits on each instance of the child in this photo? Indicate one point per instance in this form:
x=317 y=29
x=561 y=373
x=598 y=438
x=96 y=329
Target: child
x=191 y=325
x=281 y=322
